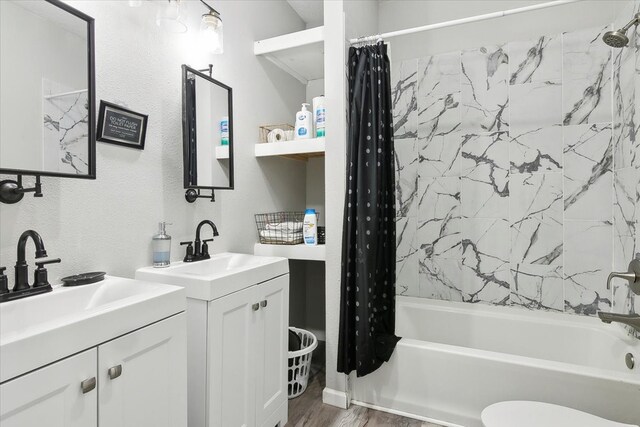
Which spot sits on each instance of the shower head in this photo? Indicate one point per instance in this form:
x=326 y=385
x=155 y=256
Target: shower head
x=616 y=39
x=619 y=38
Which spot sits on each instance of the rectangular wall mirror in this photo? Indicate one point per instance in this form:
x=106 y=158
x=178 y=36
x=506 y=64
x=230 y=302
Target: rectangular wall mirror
x=47 y=81
x=207 y=123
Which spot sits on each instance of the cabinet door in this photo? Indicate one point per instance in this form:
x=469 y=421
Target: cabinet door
x=142 y=377
x=271 y=349
x=231 y=324
x=53 y=395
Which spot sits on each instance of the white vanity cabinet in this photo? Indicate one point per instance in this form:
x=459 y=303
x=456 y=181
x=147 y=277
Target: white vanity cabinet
x=136 y=380
x=53 y=395
x=237 y=337
x=247 y=347
x=142 y=377
x=237 y=350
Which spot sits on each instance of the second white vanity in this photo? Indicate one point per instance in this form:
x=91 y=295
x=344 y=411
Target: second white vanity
x=237 y=317
x=110 y=354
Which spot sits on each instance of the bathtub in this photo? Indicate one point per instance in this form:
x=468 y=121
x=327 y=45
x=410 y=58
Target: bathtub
x=455 y=359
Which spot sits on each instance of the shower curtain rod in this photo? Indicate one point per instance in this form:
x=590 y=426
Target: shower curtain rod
x=454 y=22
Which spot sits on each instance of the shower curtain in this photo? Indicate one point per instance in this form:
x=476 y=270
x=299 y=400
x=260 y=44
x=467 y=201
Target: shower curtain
x=367 y=307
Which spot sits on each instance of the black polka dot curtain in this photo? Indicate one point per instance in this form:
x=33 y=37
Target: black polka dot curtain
x=367 y=307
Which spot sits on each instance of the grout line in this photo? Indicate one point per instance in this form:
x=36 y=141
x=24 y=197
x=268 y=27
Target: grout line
x=562 y=89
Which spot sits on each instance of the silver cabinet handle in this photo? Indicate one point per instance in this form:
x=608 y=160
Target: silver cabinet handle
x=255 y=307
x=88 y=385
x=115 y=372
x=263 y=303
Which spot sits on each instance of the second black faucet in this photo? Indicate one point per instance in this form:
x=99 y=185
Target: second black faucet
x=199 y=250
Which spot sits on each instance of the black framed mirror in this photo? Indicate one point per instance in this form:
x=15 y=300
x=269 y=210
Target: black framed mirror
x=207 y=126
x=47 y=82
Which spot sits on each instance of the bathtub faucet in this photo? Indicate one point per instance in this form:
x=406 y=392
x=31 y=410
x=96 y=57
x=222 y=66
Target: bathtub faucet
x=632 y=320
x=632 y=276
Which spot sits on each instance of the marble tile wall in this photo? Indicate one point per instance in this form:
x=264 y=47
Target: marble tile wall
x=518 y=172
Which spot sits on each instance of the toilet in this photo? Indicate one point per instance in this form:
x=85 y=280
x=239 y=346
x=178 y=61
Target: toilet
x=537 y=414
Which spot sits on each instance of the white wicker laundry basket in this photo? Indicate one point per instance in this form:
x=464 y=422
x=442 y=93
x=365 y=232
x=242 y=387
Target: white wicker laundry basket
x=300 y=363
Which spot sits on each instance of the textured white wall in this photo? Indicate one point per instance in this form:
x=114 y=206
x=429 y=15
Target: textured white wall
x=107 y=224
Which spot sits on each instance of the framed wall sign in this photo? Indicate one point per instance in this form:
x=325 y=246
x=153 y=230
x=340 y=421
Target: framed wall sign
x=120 y=126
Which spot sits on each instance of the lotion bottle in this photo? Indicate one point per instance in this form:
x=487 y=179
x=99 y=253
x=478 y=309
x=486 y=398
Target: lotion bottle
x=310 y=227
x=162 y=246
x=304 y=123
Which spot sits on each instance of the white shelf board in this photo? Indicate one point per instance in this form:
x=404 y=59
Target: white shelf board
x=303 y=252
x=300 y=149
x=222 y=152
x=300 y=54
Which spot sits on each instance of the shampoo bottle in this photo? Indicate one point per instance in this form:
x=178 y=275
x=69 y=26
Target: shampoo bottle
x=310 y=227
x=304 y=123
x=319 y=115
x=162 y=246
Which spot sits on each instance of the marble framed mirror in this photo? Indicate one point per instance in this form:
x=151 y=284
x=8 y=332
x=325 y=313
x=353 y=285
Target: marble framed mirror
x=47 y=81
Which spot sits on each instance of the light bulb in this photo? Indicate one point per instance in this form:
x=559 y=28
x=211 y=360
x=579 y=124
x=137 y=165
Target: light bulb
x=211 y=33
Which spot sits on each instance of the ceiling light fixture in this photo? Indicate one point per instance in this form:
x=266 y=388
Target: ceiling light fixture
x=169 y=17
x=211 y=30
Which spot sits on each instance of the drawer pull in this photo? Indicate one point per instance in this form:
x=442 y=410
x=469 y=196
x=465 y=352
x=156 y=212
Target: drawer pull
x=88 y=385
x=115 y=372
x=255 y=307
x=263 y=303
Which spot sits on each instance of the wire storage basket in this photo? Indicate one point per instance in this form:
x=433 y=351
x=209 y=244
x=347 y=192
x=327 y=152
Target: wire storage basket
x=280 y=228
x=266 y=130
x=300 y=363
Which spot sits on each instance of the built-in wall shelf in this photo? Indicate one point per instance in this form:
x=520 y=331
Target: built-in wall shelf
x=300 y=149
x=300 y=54
x=222 y=152
x=303 y=252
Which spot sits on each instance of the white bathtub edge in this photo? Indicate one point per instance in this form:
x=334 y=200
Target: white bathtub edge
x=335 y=398
x=404 y=414
x=514 y=359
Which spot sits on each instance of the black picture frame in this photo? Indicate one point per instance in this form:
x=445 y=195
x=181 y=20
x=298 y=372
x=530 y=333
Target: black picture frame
x=106 y=133
x=91 y=95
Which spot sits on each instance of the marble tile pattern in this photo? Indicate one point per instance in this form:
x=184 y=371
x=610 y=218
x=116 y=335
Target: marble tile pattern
x=588 y=176
x=519 y=173
x=65 y=130
x=586 y=77
x=484 y=89
x=439 y=115
x=484 y=169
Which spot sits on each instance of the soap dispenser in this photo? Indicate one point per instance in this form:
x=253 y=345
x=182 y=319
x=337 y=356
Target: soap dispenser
x=162 y=246
x=304 y=123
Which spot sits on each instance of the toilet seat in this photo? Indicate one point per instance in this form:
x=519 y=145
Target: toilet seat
x=537 y=414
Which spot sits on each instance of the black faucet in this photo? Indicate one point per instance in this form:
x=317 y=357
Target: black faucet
x=22 y=269
x=41 y=284
x=200 y=248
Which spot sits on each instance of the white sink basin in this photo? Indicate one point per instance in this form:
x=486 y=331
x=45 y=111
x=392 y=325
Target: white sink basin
x=44 y=328
x=219 y=276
